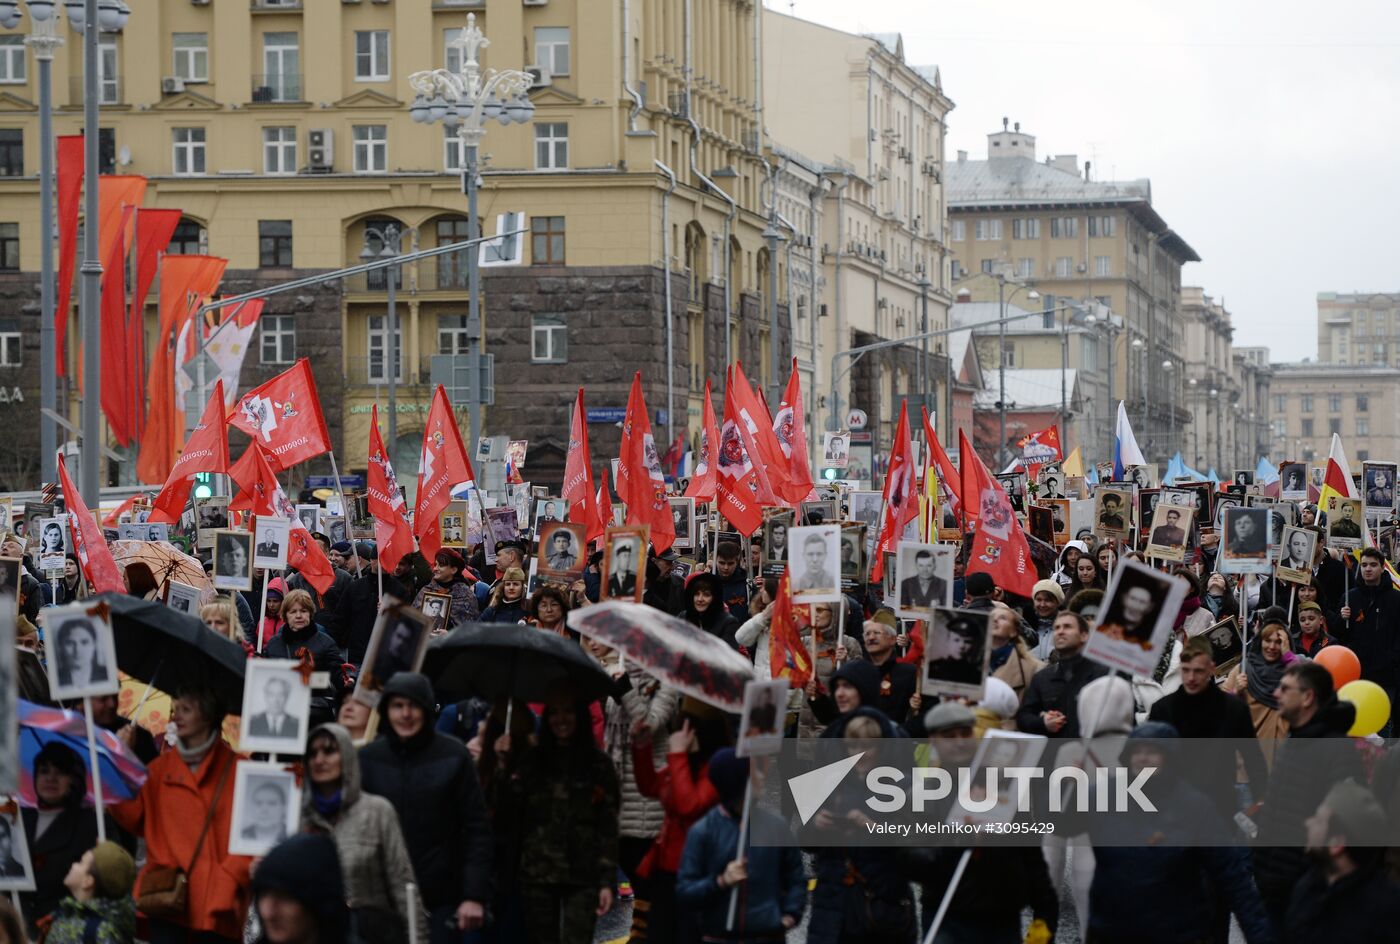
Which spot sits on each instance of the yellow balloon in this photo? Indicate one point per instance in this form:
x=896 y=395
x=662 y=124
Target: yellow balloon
x=1372 y=706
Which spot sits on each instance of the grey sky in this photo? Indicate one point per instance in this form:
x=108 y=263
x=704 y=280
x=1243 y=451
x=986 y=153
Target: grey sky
x=1264 y=127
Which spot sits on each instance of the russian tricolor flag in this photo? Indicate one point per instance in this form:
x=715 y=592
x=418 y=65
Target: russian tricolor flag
x=1125 y=447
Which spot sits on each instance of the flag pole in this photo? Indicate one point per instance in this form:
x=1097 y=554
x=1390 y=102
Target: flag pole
x=96 y=767
x=340 y=490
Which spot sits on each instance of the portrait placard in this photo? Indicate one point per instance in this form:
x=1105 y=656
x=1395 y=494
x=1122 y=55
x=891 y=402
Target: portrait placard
x=814 y=558
x=1226 y=648
x=1378 y=488
x=233 y=560
x=266 y=807
x=761 y=722
x=1244 y=544
x=1170 y=526
x=183 y=598
x=624 y=563
x=82 y=653
x=854 y=568
x=438 y=608
x=924 y=575
x=957 y=654
x=777 y=524
x=1295 y=555
x=1113 y=512
x=1293 y=481
x=562 y=552
x=836 y=449
x=276 y=708
x=53 y=543
x=271 y=536
x=683 y=520
x=16 y=867
x=1344 y=523
x=1136 y=617
x=398 y=644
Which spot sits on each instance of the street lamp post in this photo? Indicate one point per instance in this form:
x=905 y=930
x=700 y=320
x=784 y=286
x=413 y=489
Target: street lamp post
x=925 y=375
x=467 y=100
x=389 y=239
x=1219 y=446
x=1002 y=300
x=1168 y=367
x=43 y=40
x=772 y=236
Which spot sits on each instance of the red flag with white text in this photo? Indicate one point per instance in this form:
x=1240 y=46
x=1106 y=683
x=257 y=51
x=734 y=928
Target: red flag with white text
x=769 y=462
x=702 y=481
x=736 y=486
x=901 y=499
x=1040 y=448
x=304 y=555
x=442 y=466
x=256 y=481
x=578 y=489
x=205 y=451
x=790 y=428
x=948 y=476
x=641 y=484
x=386 y=502
x=284 y=417
x=999 y=546
x=94 y=556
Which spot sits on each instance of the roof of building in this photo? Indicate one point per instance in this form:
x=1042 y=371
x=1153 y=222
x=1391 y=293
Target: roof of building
x=1310 y=367
x=982 y=317
x=1028 y=389
x=1012 y=182
x=893 y=43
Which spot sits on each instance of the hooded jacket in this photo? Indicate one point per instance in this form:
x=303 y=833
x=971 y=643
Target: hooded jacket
x=1062 y=574
x=373 y=855
x=307 y=868
x=1373 y=632
x=716 y=620
x=113 y=919
x=431 y=780
x=644 y=699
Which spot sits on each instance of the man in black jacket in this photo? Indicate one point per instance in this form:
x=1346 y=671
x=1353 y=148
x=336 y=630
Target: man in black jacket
x=1051 y=702
x=1199 y=709
x=1301 y=776
x=357 y=610
x=898 y=680
x=431 y=780
x=1370 y=624
x=665 y=590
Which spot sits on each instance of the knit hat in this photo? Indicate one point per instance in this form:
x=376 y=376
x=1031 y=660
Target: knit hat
x=947 y=715
x=1309 y=606
x=113 y=870
x=1051 y=587
x=343 y=548
x=980 y=585
x=307 y=868
x=730 y=775
x=1355 y=811
x=1164 y=736
x=1000 y=699
x=365 y=551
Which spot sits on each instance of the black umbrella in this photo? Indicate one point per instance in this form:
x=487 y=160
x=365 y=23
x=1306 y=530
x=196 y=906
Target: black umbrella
x=494 y=660
x=170 y=649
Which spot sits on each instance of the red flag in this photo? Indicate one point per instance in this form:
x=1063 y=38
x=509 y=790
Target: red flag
x=442 y=465
x=70 y=191
x=153 y=231
x=284 y=417
x=94 y=557
x=901 y=495
x=386 y=503
x=757 y=429
x=789 y=427
x=640 y=482
x=304 y=555
x=999 y=546
x=702 y=482
x=949 y=479
x=788 y=658
x=205 y=451
x=1039 y=448
x=115 y=517
x=736 y=483
x=116 y=396
x=603 y=514
x=578 y=489
x=257 y=483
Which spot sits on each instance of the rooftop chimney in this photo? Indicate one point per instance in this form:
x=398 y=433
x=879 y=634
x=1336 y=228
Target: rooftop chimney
x=962 y=157
x=1086 y=170
x=1069 y=163
x=1010 y=144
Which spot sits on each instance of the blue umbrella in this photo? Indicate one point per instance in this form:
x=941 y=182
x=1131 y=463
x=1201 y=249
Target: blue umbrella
x=40 y=725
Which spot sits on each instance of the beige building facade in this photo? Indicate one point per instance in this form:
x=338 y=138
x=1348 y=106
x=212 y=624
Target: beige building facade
x=1310 y=402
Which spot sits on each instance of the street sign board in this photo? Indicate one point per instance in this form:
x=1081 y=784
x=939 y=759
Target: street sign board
x=605 y=414
x=856 y=419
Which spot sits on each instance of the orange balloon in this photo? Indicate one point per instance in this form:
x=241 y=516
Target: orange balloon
x=1341 y=662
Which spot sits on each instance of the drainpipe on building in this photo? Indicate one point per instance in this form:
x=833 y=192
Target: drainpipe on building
x=638 y=103
x=670 y=320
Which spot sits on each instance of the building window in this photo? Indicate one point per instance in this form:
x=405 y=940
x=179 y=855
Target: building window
x=1064 y=227
x=986 y=229
x=280 y=150
x=452 y=53
x=1063 y=266
x=1101 y=225
x=1307 y=403
x=12 y=60
x=1102 y=266
x=452 y=334
x=1334 y=426
x=547 y=240
x=1008 y=355
x=106 y=150
x=378 y=349
x=452 y=266
x=9 y=246
x=1307 y=428
x=453 y=155
x=988 y=265
x=279 y=338
x=371 y=149
x=959 y=230
x=371 y=55
x=1280 y=428
x=1025 y=268
x=1334 y=403
x=108 y=79
x=188 y=239
x=1363 y=454
x=1363 y=427
x=955 y=269
x=549 y=339
x=275 y=244
x=190 y=58
x=1280 y=403
x=11 y=350
x=552 y=49
x=551 y=145
x=1363 y=402
x=11 y=152
x=281 y=81
x=189 y=150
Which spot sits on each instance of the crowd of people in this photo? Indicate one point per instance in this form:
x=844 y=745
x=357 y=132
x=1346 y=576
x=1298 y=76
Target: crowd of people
x=504 y=822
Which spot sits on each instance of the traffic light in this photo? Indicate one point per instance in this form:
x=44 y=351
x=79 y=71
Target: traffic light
x=830 y=474
x=204 y=485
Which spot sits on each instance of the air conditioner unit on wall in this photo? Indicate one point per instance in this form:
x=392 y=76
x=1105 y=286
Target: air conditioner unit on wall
x=320 y=149
x=536 y=3
x=539 y=77
x=171 y=85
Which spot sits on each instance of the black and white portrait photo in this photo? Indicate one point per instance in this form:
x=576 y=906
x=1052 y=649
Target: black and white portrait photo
x=1378 y=486
x=776 y=527
x=814 y=563
x=1243 y=477
x=53 y=542
x=548 y=510
x=34 y=515
x=561 y=553
x=82 y=655
x=16 y=869
x=853 y=565
x=956 y=654
x=437 y=607
x=1143 y=476
x=210 y=515
x=1244 y=544
x=266 y=807
x=1014 y=485
x=761 y=722
x=1221 y=503
x=398 y=644
x=1051 y=481
x=1136 y=617
x=1226 y=647
x=1344 y=523
x=271 y=536
x=129 y=531
x=836 y=449
x=276 y=708
x=823 y=511
x=1295 y=555
x=337 y=529
x=1293 y=481
x=1113 y=512
x=683 y=520
x=624 y=563
x=865 y=507
x=1170 y=526
x=233 y=560
x=925 y=578
x=183 y=598
x=309 y=516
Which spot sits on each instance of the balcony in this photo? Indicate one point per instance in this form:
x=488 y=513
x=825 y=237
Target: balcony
x=111 y=91
x=276 y=87
x=435 y=274
x=371 y=372
x=375 y=282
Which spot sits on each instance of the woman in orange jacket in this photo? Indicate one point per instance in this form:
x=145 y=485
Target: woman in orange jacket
x=182 y=784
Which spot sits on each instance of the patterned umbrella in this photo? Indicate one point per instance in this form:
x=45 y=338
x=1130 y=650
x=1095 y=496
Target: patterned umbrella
x=122 y=773
x=675 y=652
x=167 y=563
